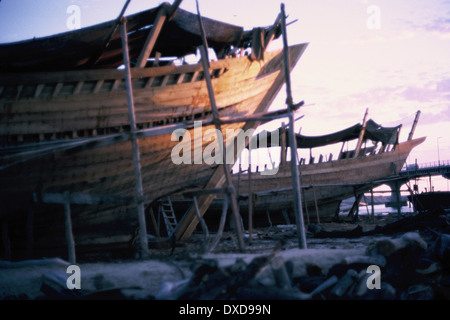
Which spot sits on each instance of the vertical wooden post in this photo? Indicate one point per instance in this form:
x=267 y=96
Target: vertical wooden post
x=229 y=182
x=361 y=135
x=143 y=239
x=202 y=223
x=223 y=219
x=315 y=201
x=68 y=229
x=292 y=141
x=283 y=144
x=306 y=206
x=250 y=195
x=397 y=195
x=268 y=218
x=373 y=205
x=154 y=223
x=215 y=113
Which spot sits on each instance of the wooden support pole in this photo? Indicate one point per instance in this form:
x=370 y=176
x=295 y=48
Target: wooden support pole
x=355 y=206
x=373 y=205
x=188 y=223
x=250 y=196
x=223 y=219
x=292 y=142
x=94 y=59
x=306 y=206
x=143 y=239
x=215 y=113
x=285 y=216
x=361 y=135
x=228 y=179
x=413 y=128
x=69 y=234
x=268 y=218
x=398 y=197
x=202 y=223
x=155 y=224
x=315 y=200
x=283 y=144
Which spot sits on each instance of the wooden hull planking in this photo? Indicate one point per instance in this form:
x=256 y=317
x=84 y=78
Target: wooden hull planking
x=63 y=107
x=326 y=183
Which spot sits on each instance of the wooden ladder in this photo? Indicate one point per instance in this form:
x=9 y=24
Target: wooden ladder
x=166 y=210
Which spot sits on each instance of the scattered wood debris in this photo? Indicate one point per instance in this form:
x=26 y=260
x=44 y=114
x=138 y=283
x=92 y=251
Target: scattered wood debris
x=407 y=265
x=403 y=268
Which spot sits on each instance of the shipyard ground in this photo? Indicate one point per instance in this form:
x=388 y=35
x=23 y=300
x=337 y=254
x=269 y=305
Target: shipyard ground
x=150 y=278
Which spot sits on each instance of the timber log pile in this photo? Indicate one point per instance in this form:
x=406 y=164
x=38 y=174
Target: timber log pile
x=409 y=269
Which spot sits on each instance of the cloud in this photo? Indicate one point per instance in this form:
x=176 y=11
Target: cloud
x=419 y=94
x=439 y=26
x=386 y=37
x=386 y=102
x=443 y=85
x=435 y=92
x=428 y=117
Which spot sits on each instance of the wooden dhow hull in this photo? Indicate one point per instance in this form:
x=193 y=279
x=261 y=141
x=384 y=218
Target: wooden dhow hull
x=53 y=132
x=324 y=185
x=430 y=201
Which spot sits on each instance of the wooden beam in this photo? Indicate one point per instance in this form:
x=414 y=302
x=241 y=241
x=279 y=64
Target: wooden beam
x=89 y=199
x=163 y=15
x=57 y=89
x=271 y=34
x=98 y=86
x=143 y=239
x=416 y=119
x=189 y=222
x=38 y=91
x=361 y=135
x=78 y=87
x=151 y=38
x=292 y=141
x=154 y=223
x=69 y=234
x=202 y=223
x=94 y=59
x=216 y=117
x=315 y=200
x=226 y=170
x=283 y=145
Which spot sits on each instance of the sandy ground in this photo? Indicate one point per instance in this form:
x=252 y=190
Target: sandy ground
x=146 y=278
